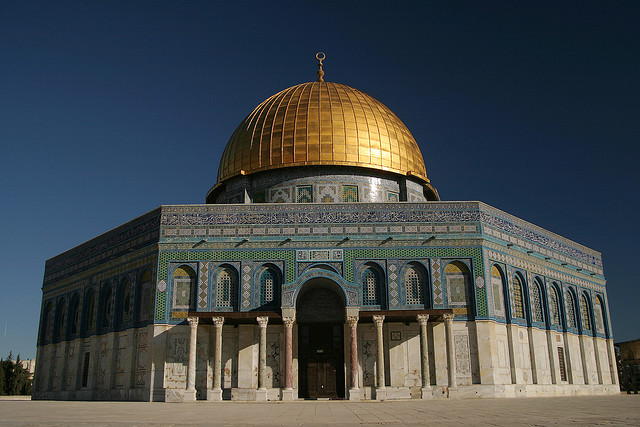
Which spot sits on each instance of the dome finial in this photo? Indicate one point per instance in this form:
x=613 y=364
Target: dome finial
x=320 y=57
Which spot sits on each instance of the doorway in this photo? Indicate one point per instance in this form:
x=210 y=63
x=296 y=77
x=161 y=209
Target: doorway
x=320 y=318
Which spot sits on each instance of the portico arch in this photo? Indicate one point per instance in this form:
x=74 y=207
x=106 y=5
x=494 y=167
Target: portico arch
x=320 y=314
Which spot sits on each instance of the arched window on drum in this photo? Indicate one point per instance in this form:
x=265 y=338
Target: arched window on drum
x=414 y=280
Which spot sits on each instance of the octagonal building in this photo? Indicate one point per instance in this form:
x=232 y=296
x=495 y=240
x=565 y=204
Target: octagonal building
x=324 y=265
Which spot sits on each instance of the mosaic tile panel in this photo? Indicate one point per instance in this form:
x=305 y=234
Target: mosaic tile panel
x=436 y=274
x=304 y=194
x=349 y=193
x=392 y=280
x=203 y=285
x=246 y=286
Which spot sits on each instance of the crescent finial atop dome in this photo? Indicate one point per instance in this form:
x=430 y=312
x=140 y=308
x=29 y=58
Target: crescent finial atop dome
x=320 y=57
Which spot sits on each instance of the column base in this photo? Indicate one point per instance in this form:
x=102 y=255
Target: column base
x=289 y=394
x=381 y=393
x=214 y=395
x=452 y=392
x=261 y=395
x=426 y=393
x=189 y=396
x=354 y=394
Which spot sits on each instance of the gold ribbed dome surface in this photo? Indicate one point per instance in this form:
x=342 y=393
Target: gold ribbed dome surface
x=321 y=123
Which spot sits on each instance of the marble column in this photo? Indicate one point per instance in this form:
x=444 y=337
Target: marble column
x=354 y=391
x=190 y=392
x=216 y=392
x=451 y=352
x=381 y=391
x=261 y=392
x=426 y=391
x=288 y=392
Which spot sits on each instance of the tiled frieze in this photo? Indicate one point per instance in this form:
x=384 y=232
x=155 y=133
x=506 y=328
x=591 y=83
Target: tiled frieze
x=409 y=214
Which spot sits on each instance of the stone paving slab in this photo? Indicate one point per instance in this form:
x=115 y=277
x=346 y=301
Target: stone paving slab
x=561 y=411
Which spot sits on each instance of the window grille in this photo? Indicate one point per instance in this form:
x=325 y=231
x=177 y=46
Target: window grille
x=537 y=304
x=518 y=301
x=267 y=285
x=414 y=286
x=554 y=307
x=584 y=309
x=571 y=311
x=370 y=284
x=226 y=288
x=561 y=362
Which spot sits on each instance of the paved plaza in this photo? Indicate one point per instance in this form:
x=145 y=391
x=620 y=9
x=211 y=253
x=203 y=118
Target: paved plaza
x=578 y=411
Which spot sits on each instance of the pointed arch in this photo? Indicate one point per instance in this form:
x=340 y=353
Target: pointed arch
x=555 y=314
x=89 y=311
x=497 y=289
x=269 y=281
x=125 y=306
x=570 y=302
x=60 y=320
x=74 y=315
x=371 y=283
x=585 y=313
x=414 y=280
x=537 y=306
x=183 y=282
x=458 y=279
x=225 y=278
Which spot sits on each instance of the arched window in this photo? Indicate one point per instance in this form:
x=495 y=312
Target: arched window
x=497 y=286
x=371 y=283
x=47 y=323
x=414 y=278
x=74 y=314
x=585 y=314
x=268 y=285
x=554 y=306
x=145 y=294
x=124 y=303
x=538 y=311
x=599 y=315
x=457 y=278
x=518 y=299
x=571 y=310
x=60 y=320
x=226 y=284
x=89 y=311
x=106 y=307
x=184 y=280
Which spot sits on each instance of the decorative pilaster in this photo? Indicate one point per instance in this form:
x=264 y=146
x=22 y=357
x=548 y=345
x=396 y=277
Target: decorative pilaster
x=288 y=392
x=190 y=392
x=261 y=393
x=354 y=391
x=216 y=392
x=426 y=392
x=381 y=392
x=451 y=351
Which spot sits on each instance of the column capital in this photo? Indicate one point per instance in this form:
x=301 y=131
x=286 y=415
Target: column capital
x=288 y=321
x=218 y=321
x=352 y=321
x=448 y=318
x=193 y=321
x=378 y=319
x=262 y=321
x=422 y=319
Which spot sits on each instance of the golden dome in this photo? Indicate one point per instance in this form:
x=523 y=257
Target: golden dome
x=321 y=123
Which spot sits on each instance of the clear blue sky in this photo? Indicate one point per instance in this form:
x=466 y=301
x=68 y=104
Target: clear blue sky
x=109 y=109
